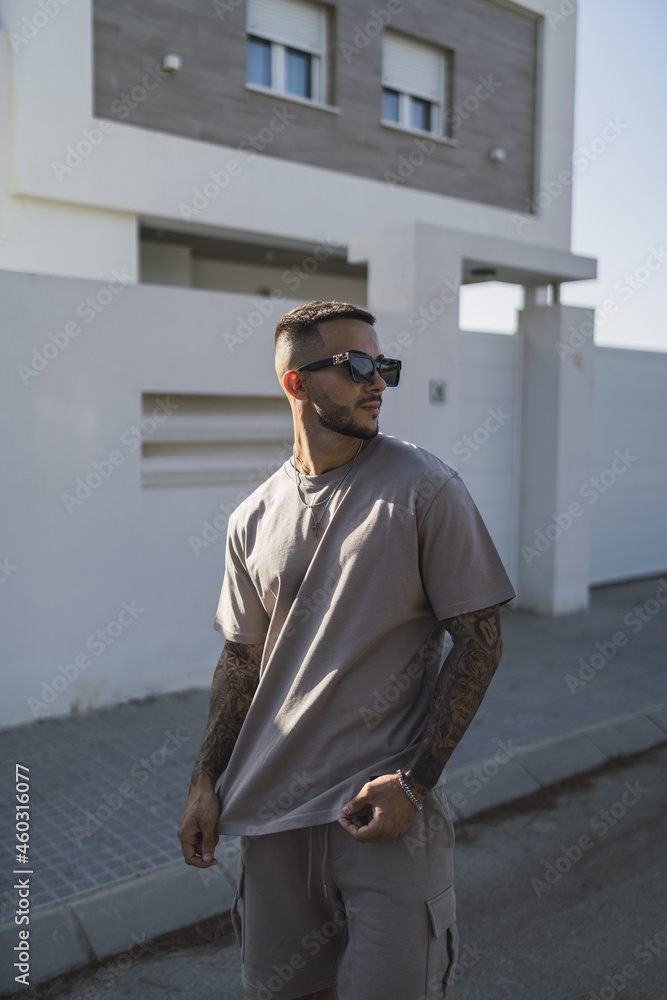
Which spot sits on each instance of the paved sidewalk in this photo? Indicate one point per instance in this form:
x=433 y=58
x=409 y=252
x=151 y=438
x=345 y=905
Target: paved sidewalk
x=108 y=787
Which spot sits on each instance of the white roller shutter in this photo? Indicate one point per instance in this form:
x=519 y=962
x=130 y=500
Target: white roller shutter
x=289 y=22
x=412 y=67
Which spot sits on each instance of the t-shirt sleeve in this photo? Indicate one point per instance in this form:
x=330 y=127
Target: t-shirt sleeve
x=460 y=566
x=241 y=616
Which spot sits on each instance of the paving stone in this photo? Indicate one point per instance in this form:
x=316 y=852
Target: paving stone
x=142 y=908
x=631 y=734
x=658 y=714
x=560 y=759
x=474 y=789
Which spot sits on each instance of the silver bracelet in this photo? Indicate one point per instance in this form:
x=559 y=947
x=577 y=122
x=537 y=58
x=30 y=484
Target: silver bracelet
x=404 y=785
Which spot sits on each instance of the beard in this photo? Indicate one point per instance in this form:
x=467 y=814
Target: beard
x=339 y=418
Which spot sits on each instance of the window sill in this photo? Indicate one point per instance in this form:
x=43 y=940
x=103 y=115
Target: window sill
x=292 y=98
x=444 y=140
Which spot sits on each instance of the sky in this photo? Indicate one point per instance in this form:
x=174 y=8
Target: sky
x=619 y=210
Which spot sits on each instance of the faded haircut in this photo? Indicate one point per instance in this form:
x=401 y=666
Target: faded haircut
x=297 y=333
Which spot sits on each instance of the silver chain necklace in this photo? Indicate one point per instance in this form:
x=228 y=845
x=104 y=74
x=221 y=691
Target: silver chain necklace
x=327 y=500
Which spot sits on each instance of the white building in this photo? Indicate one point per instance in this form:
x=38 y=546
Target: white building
x=172 y=182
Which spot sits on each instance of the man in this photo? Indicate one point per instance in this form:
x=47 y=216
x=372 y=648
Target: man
x=330 y=721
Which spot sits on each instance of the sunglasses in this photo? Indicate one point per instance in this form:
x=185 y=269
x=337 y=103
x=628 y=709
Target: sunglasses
x=362 y=367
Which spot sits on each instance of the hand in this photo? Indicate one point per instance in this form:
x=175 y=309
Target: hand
x=197 y=830
x=392 y=811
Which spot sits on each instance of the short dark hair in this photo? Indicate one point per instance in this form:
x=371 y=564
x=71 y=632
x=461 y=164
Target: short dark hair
x=298 y=329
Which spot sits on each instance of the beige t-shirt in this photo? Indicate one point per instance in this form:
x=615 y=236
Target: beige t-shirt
x=352 y=625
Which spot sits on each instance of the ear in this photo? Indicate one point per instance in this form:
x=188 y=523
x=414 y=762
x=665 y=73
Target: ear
x=294 y=385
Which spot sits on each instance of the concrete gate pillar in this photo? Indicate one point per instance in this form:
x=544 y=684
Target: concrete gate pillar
x=556 y=457
x=414 y=277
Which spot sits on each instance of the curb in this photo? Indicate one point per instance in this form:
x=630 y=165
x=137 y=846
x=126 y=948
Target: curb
x=120 y=918
x=117 y=920
x=514 y=772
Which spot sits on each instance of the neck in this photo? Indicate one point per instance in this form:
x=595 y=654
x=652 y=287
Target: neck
x=316 y=456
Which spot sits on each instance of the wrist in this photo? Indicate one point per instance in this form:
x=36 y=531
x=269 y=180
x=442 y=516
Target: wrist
x=416 y=802
x=418 y=789
x=202 y=782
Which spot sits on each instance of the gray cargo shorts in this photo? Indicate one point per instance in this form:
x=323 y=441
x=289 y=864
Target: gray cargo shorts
x=304 y=895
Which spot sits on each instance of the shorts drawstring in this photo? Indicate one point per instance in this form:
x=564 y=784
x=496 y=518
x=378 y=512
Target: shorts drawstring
x=324 y=860
x=310 y=857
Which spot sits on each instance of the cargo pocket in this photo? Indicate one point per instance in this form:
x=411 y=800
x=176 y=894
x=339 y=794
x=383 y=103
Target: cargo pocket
x=236 y=911
x=443 y=944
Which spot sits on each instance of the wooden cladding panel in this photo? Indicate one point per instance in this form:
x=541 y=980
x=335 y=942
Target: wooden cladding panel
x=208 y=99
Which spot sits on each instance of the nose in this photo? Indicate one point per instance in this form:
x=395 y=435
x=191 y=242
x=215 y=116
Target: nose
x=377 y=383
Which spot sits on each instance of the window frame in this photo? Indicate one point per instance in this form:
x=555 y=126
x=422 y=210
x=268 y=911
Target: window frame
x=319 y=68
x=438 y=109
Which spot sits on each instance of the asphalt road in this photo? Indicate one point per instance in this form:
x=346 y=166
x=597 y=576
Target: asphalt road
x=562 y=898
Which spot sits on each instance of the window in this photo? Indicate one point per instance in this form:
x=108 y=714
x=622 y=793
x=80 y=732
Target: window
x=413 y=84
x=286 y=48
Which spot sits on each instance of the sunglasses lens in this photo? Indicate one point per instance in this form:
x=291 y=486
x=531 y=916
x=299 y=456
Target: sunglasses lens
x=361 y=369
x=390 y=371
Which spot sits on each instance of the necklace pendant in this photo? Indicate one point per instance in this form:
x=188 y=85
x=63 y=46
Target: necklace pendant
x=317 y=528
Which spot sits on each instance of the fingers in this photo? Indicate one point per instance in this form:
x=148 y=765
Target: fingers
x=196 y=851
x=208 y=844
x=392 y=811
x=197 y=833
x=359 y=801
x=379 y=828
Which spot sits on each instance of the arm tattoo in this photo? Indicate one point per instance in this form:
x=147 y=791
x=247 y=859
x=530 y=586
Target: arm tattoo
x=234 y=684
x=461 y=685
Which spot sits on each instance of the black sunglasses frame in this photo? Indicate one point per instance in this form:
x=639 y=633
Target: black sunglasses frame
x=341 y=359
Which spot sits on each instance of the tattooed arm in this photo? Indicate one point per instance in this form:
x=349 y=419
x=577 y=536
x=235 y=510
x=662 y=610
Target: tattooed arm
x=234 y=684
x=459 y=690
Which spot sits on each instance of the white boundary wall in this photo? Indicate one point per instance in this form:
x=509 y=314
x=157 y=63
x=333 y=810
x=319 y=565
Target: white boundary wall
x=71 y=569
x=629 y=494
